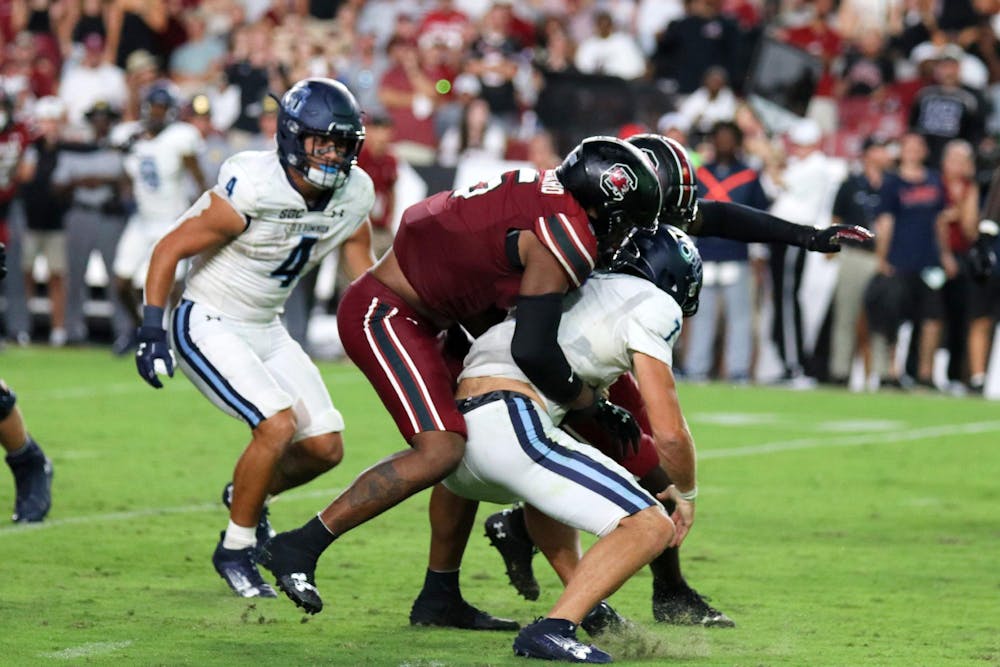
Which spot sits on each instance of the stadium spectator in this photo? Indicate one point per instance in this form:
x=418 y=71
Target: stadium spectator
x=947 y=110
x=985 y=297
x=960 y=218
x=727 y=291
x=141 y=70
x=380 y=162
x=192 y=63
x=408 y=93
x=912 y=265
x=135 y=25
x=804 y=196
x=44 y=211
x=494 y=59
x=477 y=136
x=856 y=203
x=866 y=69
x=703 y=38
x=714 y=102
x=253 y=71
x=91 y=80
x=443 y=22
x=216 y=148
x=541 y=151
x=609 y=51
x=89 y=177
x=856 y=18
x=362 y=71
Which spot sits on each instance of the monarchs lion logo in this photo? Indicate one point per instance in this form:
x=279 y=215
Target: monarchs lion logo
x=618 y=180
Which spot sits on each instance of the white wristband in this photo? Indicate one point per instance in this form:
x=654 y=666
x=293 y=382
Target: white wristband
x=688 y=495
x=989 y=228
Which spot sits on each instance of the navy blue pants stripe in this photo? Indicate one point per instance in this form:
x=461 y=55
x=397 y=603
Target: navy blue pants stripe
x=206 y=371
x=570 y=464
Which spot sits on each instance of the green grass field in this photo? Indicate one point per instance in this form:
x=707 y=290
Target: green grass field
x=835 y=528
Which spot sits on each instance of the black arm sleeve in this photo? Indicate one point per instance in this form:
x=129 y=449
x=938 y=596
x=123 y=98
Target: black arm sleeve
x=535 y=347
x=729 y=220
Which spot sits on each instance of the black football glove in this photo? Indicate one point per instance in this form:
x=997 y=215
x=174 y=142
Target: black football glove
x=617 y=422
x=152 y=346
x=982 y=256
x=829 y=238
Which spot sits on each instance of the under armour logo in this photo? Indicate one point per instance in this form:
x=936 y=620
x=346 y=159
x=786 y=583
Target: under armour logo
x=498 y=527
x=300 y=582
x=209 y=318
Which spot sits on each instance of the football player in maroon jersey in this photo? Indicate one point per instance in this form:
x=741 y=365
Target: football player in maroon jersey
x=521 y=239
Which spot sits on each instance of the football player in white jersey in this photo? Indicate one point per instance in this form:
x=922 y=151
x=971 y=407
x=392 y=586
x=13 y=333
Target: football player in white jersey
x=616 y=323
x=160 y=154
x=272 y=216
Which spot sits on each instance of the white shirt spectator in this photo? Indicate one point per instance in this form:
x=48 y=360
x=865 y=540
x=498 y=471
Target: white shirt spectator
x=615 y=55
x=702 y=111
x=82 y=86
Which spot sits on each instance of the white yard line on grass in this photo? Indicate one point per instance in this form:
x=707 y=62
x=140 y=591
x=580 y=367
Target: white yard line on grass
x=152 y=511
x=877 y=438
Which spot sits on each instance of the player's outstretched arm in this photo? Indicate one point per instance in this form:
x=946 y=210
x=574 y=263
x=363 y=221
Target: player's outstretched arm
x=209 y=223
x=729 y=220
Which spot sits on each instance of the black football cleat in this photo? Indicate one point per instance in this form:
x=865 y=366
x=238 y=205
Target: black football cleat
x=603 y=618
x=555 y=639
x=237 y=567
x=33 y=484
x=454 y=612
x=294 y=571
x=507 y=533
x=684 y=606
x=264 y=531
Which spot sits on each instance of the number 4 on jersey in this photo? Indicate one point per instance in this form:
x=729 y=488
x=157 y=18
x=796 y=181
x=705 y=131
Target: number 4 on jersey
x=292 y=266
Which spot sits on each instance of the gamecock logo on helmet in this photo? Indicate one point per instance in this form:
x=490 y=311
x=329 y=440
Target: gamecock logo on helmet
x=618 y=180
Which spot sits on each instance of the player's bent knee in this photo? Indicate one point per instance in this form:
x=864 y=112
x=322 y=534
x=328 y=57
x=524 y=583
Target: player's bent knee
x=654 y=527
x=326 y=449
x=277 y=430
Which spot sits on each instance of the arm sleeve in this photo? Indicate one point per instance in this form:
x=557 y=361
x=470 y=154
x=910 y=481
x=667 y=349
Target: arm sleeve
x=536 y=351
x=573 y=243
x=729 y=220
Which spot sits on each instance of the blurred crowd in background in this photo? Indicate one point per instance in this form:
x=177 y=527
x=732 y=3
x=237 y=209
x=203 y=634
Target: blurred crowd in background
x=883 y=113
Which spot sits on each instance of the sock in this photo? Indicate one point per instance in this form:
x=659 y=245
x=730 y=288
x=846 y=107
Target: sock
x=313 y=537
x=441 y=584
x=238 y=537
x=517 y=526
x=666 y=569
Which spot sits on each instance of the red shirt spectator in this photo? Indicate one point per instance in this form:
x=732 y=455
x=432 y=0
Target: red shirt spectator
x=821 y=40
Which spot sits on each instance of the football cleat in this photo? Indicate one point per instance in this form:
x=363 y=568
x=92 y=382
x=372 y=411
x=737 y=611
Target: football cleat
x=684 y=606
x=33 y=484
x=447 y=612
x=555 y=639
x=237 y=567
x=507 y=533
x=603 y=618
x=294 y=572
x=264 y=530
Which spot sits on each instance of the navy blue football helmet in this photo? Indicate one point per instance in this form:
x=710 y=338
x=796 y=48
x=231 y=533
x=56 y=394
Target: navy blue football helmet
x=617 y=186
x=676 y=173
x=322 y=108
x=667 y=258
x=161 y=94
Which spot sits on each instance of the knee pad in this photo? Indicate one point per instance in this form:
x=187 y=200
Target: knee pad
x=7 y=400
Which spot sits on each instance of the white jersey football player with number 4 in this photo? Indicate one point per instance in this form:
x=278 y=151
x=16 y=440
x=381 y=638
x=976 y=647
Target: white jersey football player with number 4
x=160 y=154
x=272 y=217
